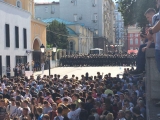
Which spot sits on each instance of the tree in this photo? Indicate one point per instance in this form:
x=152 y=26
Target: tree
x=133 y=11
x=57 y=34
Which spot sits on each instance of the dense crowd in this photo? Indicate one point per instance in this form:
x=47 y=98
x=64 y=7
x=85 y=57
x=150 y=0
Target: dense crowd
x=99 y=60
x=99 y=97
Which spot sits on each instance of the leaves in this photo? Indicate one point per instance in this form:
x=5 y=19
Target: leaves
x=133 y=11
x=57 y=34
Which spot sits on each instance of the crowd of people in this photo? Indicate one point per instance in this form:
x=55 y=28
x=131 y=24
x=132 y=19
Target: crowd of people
x=99 y=97
x=112 y=59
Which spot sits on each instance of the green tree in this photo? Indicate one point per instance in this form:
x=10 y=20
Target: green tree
x=57 y=34
x=133 y=11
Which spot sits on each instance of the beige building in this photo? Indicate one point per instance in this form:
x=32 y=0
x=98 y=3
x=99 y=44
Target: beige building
x=80 y=38
x=38 y=29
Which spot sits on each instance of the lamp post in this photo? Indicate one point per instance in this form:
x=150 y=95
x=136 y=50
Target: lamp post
x=54 y=49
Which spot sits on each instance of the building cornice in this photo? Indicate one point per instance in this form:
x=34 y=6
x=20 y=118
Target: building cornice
x=13 y=6
x=40 y=22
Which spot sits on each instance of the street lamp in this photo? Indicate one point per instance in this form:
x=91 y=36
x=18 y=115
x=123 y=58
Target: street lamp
x=54 y=49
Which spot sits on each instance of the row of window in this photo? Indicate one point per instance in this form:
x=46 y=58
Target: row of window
x=94 y=17
x=136 y=41
x=7 y=30
x=132 y=35
x=19 y=60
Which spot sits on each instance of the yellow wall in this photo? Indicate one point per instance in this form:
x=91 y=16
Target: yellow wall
x=27 y=5
x=38 y=31
x=75 y=39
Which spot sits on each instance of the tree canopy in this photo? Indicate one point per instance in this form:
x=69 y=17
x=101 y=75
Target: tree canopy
x=57 y=34
x=133 y=11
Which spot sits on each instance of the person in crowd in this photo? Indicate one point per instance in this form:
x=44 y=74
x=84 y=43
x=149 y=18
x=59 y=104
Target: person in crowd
x=47 y=107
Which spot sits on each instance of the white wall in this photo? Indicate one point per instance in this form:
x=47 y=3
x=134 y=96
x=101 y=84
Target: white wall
x=14 y=17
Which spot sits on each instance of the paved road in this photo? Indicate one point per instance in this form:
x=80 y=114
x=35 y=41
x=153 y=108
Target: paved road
x=78 y=71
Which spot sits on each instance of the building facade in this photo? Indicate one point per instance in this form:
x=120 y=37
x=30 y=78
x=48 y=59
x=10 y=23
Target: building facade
x=134 y=40
x=15 y=36
x=97 y=15
x=119 y=28
x=19 y=23
x=80 y=38
x=47 y=10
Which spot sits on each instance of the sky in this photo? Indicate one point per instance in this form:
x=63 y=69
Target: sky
x=45 y=0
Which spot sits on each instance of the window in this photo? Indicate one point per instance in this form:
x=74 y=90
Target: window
x=46 y=9
x=131 y=35
x=53 y=10
x=17 y=36
x=25 y=38
x=75 y=17
x=19 y=4
x=75 y=2
x=71 y=46
x=7 y=35
x=7 y=61
x=136 y=35
x=136 y=41
x=95 y=16
x=21 y=59
x=131 y=41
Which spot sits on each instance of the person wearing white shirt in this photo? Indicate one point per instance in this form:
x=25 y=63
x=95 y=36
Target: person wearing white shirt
x=18 y=110
x=11 y=107
x=74 y=113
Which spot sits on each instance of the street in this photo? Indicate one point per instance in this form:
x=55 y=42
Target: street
x=78 y=71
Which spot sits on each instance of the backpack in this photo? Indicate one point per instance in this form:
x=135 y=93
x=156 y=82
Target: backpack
x=83 y=115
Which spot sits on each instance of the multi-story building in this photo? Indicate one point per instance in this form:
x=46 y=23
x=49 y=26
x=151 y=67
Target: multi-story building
x=21 y=33
x=80 y=39
x=134 y=40
x=97 y=15
x=119 y=28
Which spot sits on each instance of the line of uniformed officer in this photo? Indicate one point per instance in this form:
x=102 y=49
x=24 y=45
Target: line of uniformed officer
x=99 y=60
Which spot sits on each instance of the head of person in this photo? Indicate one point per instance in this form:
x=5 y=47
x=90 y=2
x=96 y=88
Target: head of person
x=121 y=114
x=60 y=110
x=126 y=103
x=54 y=106
x=149 y=14
x=25 y=111
x=45 y=117
x=12 y=101
x=109 y=116
x=91 y=117
x=25 y=103
x=39 y=110
x=2 y=103
x=73 y=106
x=46 y=104
x=75 y=97
x=128 y=115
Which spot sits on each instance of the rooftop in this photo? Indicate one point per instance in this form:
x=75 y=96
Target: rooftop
x=49 y=20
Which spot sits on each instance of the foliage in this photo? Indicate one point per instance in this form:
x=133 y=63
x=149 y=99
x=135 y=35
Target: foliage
x=57 y=34
x=133 y=11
